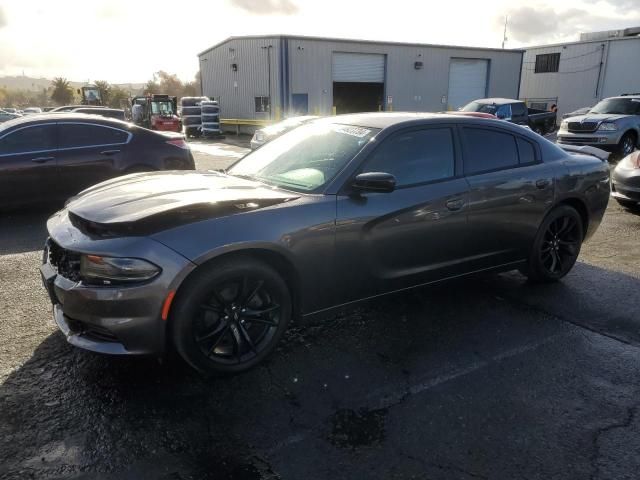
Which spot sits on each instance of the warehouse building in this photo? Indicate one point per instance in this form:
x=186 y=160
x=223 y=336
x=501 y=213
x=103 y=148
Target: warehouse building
x=269 y=77
x=579 y=74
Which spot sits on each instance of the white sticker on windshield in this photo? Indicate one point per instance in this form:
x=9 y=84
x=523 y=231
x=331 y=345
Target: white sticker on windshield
x=353 y=131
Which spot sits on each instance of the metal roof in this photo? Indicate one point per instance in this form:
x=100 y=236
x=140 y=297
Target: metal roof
x=582 y=42
x=352 y=40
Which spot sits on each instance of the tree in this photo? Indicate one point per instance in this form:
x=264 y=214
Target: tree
x=62 y=93
x=105 y=91
x=118 y=97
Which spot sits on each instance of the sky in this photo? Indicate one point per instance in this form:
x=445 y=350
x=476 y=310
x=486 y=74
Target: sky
x=124 y=41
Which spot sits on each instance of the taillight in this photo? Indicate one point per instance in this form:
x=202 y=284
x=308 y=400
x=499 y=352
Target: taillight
x=179 y=142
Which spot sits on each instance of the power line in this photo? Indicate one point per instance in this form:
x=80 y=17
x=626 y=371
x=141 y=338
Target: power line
x=571 y=58
x=567 y=72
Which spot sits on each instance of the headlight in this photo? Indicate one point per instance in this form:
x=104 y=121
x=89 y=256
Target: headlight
x=607 y=127
x=564 y=125
x=111 y=270
x=259 y=136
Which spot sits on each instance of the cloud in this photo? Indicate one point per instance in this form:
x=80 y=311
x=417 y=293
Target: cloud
x=266 y=7
x=546 y=25
x=3 y=18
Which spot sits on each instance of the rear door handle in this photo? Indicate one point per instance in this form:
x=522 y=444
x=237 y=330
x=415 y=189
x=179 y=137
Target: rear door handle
x=109 y=152
x=455 y=204
x=42 y=159
x=542 y=183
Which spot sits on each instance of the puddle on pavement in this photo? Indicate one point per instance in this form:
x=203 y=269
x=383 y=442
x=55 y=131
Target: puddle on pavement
x=353 y=429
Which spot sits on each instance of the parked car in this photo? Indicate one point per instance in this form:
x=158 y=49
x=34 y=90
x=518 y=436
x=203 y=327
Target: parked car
x=10 y=110
x=6 y=116
x=32 y=110
x=575 y=113
x=266 y=134
x=612 y=124
x=103 y=112
x=625 y=181
x=69 y=108
x=47 y=158
x=515 y=111
x=333 y=212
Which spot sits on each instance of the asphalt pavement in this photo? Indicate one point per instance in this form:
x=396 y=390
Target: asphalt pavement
x=483 y=378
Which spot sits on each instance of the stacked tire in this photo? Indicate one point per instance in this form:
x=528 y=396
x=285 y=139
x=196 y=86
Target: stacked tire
x=210 y=118
x=192 y=115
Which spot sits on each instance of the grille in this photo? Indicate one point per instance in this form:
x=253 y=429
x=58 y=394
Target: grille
x=65 y=261
x=578 y=140
x=583 y=126
x=94 y=332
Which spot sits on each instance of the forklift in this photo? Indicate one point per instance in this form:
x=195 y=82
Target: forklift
x=156 y=112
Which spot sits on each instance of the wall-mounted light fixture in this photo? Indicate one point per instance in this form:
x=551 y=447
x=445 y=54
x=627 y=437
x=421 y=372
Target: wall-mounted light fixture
x=418 y=65
x=234 y=67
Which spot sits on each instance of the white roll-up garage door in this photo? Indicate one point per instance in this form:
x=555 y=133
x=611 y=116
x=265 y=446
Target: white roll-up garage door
x=467 y=81
x=358 y=67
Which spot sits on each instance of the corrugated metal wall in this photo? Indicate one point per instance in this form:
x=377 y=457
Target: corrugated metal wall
x=236 y=91
x=577 y=78
x=411 y=90
x=310 y=72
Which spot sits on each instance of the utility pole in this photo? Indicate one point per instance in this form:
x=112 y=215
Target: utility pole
x=504 y=34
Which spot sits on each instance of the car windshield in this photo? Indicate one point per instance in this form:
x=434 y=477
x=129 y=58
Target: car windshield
x=480 y=107
x=162 y=108
x=306 y=158
x=618 y=106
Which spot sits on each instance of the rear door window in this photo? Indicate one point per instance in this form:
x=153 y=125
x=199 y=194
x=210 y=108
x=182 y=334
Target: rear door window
x=519 y=109
x=526 y=152
x=486 y=150
x=415 y=157
x=75 y=135
x=38 y=138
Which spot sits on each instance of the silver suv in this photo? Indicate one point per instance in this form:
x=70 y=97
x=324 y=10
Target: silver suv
x=613 y=124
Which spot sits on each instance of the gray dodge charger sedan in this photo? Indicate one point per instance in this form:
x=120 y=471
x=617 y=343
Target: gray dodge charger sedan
x=217 y=264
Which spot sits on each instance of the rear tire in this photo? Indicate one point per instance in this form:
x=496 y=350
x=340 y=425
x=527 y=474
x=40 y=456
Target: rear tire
x=230 y=315
x=556 y=246
x=628 y=204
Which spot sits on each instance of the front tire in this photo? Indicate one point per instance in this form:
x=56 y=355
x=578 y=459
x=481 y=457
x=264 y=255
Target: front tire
x=230 y=315
x=627 y=144
x=556 y=246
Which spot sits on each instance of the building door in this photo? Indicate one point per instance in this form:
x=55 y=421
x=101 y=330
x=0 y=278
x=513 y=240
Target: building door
x=358 y=82
x=468 y=79
x=299 y=104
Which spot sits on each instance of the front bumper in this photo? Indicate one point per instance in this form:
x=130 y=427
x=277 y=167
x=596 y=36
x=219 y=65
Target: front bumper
x=604 y=140
x=119 y=320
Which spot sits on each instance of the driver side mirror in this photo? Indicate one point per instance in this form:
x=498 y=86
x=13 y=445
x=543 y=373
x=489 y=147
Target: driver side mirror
x=374 y=182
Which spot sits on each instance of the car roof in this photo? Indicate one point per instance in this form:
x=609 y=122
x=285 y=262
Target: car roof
x=496 y=101
x=624 y=97
x=387 y=119
x=66 y=117
x=80 y=109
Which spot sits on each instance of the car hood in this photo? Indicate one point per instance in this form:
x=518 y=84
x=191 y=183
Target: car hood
x=596 y=117
x=144 y=203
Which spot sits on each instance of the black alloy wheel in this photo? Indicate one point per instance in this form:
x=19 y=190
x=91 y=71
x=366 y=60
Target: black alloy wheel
x=627 y=144
x=236 y=321
x=230 y=315
x=557 y=245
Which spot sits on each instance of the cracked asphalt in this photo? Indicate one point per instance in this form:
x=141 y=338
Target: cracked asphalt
x=482 y=378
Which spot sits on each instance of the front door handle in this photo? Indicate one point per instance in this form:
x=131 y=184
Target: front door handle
x=109 y=152
x=542 y=183
x=455 y=204
x=42 y=159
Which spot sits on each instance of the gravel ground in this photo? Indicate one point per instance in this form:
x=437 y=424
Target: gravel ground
x=486 y=377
